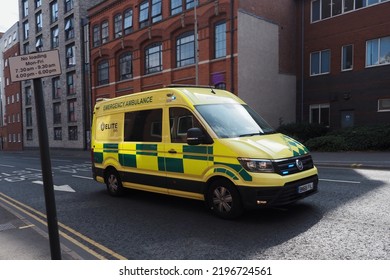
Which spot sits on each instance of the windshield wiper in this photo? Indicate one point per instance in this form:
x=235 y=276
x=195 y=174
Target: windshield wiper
x=251 y=134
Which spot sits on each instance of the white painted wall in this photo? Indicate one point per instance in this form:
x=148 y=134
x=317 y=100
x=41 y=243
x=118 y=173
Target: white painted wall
x=270 y=93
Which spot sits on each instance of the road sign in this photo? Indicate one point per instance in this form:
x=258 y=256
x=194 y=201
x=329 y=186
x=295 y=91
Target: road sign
x=34 y=65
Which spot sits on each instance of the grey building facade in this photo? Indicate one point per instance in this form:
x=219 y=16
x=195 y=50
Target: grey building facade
x=57 y=25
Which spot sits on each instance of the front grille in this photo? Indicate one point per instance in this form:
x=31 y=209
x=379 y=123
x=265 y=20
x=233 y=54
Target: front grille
x=290 y=166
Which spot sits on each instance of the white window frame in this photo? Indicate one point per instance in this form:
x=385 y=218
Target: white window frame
x=320 y=62
x=381 y=108
x=319 y=107
x=342 y=58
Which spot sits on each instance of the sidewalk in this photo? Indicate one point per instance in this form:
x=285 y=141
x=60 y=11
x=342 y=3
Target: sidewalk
x=361 y=160
x=21 y=240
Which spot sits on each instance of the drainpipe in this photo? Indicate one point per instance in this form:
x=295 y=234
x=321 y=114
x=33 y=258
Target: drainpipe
x=232 y=45
x=302 y=55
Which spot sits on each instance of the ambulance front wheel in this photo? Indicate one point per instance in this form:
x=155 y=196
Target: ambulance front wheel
x=224 y=199
x=113 y=183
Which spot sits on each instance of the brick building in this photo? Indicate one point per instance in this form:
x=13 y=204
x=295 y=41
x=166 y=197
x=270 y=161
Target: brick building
x=346 y=62
x=12 y=126
x=245 y=46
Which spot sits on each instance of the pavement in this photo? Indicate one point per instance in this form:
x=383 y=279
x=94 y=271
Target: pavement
x=22 y=239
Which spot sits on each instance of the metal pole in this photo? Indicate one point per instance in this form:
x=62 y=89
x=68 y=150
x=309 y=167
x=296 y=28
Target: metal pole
x=196 y=45
x=47 y=176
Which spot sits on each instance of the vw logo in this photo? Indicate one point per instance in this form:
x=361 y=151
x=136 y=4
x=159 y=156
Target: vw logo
x=102 y=126
x=299 y=164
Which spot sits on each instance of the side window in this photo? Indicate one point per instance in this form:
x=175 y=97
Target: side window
x=181 y=120
x=143 y=126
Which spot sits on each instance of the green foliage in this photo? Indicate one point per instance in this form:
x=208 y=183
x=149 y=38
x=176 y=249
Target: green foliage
x=303 y=131
x=353 y=139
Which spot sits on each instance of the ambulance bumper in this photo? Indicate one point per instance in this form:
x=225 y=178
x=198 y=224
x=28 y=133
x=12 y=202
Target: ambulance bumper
x=259 y=197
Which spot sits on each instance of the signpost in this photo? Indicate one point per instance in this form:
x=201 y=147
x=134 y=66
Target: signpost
x=36 y=66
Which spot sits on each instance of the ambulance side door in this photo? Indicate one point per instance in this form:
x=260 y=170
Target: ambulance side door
x=185 y=165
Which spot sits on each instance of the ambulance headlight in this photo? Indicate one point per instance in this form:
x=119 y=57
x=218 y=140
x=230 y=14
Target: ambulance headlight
x=256 y=165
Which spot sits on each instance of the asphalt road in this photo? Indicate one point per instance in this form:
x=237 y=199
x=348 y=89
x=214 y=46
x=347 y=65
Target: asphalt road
x=348 y=219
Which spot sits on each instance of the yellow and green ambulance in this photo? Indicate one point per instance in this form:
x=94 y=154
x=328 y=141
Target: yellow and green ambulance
x=198 y=143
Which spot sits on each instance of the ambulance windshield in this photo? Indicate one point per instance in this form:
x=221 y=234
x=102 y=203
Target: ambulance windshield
x=234 y=120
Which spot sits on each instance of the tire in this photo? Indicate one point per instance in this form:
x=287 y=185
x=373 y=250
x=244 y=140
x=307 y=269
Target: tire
x=114 y=183
x=224 y=199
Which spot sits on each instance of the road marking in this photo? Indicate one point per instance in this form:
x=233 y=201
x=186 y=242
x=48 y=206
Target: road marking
x=62 y=188
x=340 y=181
x=82 y=177
x=34 y=169
x=35 y=214
x=5 y=165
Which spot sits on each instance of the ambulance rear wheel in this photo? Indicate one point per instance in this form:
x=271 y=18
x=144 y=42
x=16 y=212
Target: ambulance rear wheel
x=114 y=183
x=224 y=199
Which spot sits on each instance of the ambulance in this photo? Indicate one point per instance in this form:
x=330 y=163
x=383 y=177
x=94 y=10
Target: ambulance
x=198 y=143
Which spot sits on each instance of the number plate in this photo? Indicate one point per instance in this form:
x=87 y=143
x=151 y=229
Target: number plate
x=305 y=188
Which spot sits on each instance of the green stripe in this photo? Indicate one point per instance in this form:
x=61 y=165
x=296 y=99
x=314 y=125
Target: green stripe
x=147 y=147
x=110 y=146
x=196 y=157
x=174 y=165
x=147 y=153
x=198 y=149
x=239 y=169
x=98 y=157
x=128 y=160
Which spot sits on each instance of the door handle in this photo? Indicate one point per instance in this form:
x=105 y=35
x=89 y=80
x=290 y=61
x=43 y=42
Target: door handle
x=172 y=151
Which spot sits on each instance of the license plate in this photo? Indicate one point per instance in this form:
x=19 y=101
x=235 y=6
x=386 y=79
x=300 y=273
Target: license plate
x=305 y=188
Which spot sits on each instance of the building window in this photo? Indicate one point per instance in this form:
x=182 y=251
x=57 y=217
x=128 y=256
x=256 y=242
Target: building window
x=68 y=5
x=118 y=26
x=57 y=133
x=128 y=21
x=177 y=5
x=57 y=113
x=53 y=11
x=25 y=8
x=72 y=110
x=103 y=72
x=96 y=36
x=220 y=39
x=144 y=14
x=156 y=11
x=70 y=86
x=105 y=33
x=320 y=62
x=153 y=58
x=39 y=43
x=26 y=30
x=29 y=121
x=347 y=57
x=29 y=134
x=38 y=19
x=320 y=113
x=378 y=51
x=26 y=48
x=28 y=94
x=323 y=9
x=54 y=37
x=72 y=133
x=185 y=49
x=70 y=56
x=125 y=66
x=38 y=3
x=56 y=87
x=69 y=28
x=384 y=105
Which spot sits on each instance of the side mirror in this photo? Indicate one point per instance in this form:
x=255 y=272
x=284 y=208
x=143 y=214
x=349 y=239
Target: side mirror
x=195 y=136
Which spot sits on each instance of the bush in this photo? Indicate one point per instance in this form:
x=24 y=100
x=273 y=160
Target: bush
x=353 y=139
x=303 y=131
x=329 y=143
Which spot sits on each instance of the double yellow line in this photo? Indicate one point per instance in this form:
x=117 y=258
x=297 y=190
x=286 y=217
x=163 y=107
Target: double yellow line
x=41 y=218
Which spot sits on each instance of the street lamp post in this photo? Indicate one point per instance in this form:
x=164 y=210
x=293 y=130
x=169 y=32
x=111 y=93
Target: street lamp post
x=196 y=45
